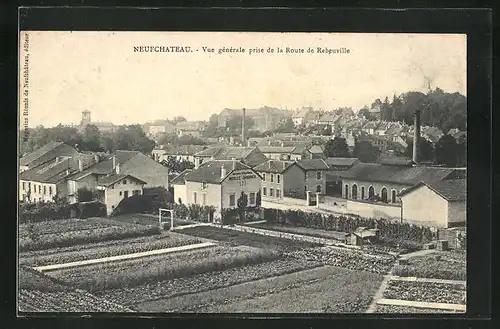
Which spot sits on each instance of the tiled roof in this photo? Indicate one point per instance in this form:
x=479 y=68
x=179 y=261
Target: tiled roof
x=450 y=189
x=109 y=180
x=105 y=166
x=274 y=166
x=313 y=164
x=394 y=160
x=209 y=152
x=341 y=161
x=124 y=156
x=276 y=149
x=371 y=125
x=50 y=173
x=374 y=172
x=210 y=172
x=179 y=179
x=183 y=149
x=30 y=157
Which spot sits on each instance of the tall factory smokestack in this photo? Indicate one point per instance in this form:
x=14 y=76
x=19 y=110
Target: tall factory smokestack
x=416 y=136
x=243 y=127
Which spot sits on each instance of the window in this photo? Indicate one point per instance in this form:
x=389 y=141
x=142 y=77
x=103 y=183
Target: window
x=272 y=178
x=362 y=192
x=264 y=191
x=40 y=189
x=264 y=177
x=354 y=191
x=120 y=193
x=195 y=197
x=393 y=196
x=371 y=192
x=271 y=192
x=45 y=190
x=204 y=185
x=318 y=174
x=29 y=185
x=278 y=193
x=383 y=192
x=136 y=192
x=252 y=198
x=346 y=191
x=278 y=177
x=318 y=188
x=24 y=186
x=124 y=181
x=232 y=201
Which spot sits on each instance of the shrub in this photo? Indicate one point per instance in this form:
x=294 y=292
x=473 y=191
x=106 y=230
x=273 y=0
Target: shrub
x=39 y=212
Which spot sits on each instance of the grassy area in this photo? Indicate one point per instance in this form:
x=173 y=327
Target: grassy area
x=69 y=232
x=443 y=265
x=105 y=249
x=326 y=289
x=318 y=233
x=134 y=272
x=248 y=239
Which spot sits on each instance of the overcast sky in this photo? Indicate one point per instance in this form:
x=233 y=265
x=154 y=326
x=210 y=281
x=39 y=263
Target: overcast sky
x=99 y=71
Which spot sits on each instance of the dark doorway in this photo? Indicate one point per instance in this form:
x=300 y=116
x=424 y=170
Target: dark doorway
x=384 y=195
x=125 y=194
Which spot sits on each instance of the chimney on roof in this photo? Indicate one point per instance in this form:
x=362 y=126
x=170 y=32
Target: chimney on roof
x=243 y=126
x=67 y=171
x=222 y=172
x=114 y=162
x=117 y=169
x=96 y=158
x=80 y=165
x=416 y=137
x=234 y=163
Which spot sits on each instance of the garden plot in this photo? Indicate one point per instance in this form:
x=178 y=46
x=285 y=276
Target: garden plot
x=326 y=289
x=41 y=293
x=392 y=309
x=206 y=281
x=105 y=249
x=134 y=272
x=317 y=233
x=233 y=237
x=69 y=232
x=346 y=258
x=448 y=265
x=425 y=292
x=150 y=219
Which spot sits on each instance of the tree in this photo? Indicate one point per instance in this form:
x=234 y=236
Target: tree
x=327 y=130
x=92 y=139
x=446 y=151
x=462 y=154
x=212 y=128
x=242 y=204
x=286 y=126
x=425 y=151
x=133 y=138
x=178 y=119
x=337 y=148
x=366 y=152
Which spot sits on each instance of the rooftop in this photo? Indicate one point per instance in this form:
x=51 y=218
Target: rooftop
x=450 y=189
x=36 y=154
x=341 y=162
x=313 y=164
x=210 y=172
x=110 y=180
x=274 y=166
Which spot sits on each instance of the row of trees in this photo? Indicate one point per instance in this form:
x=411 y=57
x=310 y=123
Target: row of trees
x=126 y=137
x=445 y=152
x=439 y=109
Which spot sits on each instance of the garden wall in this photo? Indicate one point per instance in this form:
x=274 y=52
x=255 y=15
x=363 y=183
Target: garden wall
x=373 y=210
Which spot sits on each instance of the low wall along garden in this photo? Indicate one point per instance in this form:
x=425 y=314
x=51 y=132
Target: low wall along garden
x=403 y=234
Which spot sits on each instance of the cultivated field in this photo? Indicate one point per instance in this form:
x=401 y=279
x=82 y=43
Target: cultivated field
x=240 y=272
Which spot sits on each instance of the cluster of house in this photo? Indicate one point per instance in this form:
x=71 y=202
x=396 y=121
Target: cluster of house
x=59 y=171
x=221 y=174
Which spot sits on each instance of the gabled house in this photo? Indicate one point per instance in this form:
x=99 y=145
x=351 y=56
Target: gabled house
x=217 y=183
x=45 y=154
x=315 y=174
x=445 y=203
x=115 y=187
x=189 y=128
x=281 y=179
x=370 y=127
x=382 y=128
x=178 y=152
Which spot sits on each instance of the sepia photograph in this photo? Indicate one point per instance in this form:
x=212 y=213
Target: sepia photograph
x=242 y=172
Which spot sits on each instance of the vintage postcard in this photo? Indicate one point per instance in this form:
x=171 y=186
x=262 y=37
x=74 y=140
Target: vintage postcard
x=242 y=172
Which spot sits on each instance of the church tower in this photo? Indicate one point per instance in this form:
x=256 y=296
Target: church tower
x=85 y=118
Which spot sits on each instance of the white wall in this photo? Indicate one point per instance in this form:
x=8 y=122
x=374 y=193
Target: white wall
x=180 y=193
x=425 y=207
x=212 y=194
x=373 y=210
x=239 y=184
x=457 y=212
x=37 y=191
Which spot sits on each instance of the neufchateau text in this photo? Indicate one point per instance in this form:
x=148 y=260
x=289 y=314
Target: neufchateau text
x=240 y=50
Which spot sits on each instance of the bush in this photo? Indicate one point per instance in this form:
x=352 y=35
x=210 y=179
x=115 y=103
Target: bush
x=91 y=209
x=39 y=212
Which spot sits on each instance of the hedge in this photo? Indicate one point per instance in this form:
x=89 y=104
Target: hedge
x=390 y=231
x=39 y=212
